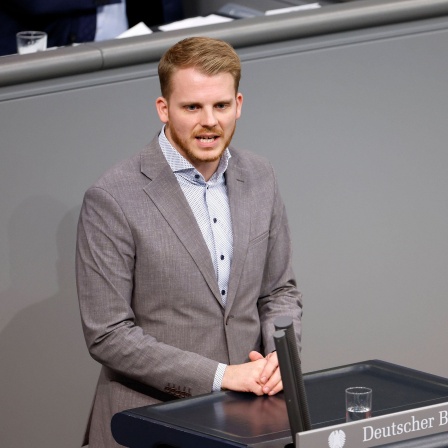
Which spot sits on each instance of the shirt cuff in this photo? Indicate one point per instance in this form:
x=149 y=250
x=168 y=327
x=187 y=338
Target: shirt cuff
x=219 y=375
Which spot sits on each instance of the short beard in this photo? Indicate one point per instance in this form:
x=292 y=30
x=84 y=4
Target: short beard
x=183 y=146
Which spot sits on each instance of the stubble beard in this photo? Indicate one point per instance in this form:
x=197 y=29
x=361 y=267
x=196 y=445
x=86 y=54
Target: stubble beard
x=190 y=154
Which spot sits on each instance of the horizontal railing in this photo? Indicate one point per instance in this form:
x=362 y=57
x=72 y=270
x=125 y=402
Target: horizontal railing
x=95 y=56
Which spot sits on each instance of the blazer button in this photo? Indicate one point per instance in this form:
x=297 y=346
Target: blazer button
x=230 y=316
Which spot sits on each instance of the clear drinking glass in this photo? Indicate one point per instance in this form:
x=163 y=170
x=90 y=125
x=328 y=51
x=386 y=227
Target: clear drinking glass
x=31 y=41
x=358 y=403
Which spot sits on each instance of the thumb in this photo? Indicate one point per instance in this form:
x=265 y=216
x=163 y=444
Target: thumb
x=255 y=356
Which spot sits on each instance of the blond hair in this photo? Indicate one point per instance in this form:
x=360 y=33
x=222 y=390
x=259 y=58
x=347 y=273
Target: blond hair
x=208 y=56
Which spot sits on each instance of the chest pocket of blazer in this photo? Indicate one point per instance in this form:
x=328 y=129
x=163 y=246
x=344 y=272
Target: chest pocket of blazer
x=259 y=239
x=256 y=253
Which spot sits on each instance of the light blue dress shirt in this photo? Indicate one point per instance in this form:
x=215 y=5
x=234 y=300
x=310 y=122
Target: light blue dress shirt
x=111 y=21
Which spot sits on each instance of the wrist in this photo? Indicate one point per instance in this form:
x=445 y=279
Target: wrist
x=228 y=378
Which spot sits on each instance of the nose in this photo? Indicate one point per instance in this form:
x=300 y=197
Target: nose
x=208 y=117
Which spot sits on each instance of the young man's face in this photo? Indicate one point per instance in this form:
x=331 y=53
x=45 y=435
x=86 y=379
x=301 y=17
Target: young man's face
x=200 y=116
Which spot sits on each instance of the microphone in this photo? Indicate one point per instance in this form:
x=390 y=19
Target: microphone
x=292 y=378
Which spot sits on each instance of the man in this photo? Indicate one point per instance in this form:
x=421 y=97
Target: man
x=184 y=254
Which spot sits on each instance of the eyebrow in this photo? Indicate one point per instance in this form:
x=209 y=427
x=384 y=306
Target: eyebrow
x=198 y=103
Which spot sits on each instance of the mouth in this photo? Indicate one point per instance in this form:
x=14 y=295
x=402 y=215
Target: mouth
x=207 y=138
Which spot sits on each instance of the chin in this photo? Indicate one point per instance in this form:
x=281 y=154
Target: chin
x=206 y=155
x=216 y=155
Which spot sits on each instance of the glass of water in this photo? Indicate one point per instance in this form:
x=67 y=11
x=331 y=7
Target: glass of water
x=31 y=41
x=358 y=403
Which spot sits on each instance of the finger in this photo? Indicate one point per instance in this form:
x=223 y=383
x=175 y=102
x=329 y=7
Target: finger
x=278 y=388
x=255 y=356
x=257 y=389
x=273 y=383
x=270 y=367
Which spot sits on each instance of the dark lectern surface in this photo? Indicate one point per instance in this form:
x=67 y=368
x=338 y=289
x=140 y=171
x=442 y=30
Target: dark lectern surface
x=244 y=420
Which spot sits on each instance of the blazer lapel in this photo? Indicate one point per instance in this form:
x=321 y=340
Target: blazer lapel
x=167 y=196
x=237 y=179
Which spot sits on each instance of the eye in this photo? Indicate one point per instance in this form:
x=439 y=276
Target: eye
x=191 y=107
x=222 y=106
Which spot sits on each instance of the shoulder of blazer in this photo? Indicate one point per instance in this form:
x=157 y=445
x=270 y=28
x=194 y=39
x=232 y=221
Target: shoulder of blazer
x=250 y=164
x=146 y=164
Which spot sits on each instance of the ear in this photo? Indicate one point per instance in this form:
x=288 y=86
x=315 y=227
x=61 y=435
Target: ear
x=239 y=104
x=162 y=109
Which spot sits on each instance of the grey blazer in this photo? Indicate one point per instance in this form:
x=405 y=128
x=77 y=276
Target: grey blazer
x=149 y=299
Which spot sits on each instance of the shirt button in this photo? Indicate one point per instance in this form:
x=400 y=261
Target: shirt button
x=215 y=220
x=223 y=292
x=222 y=257
x=196 y=176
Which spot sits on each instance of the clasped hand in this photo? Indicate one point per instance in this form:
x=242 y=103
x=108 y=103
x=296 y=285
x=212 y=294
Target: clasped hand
x=261 y=375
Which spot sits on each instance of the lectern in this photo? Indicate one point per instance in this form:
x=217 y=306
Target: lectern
x=231 y=419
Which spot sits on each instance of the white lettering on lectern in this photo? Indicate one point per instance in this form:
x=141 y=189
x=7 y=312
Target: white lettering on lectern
x=395 y=430
x=443 y=417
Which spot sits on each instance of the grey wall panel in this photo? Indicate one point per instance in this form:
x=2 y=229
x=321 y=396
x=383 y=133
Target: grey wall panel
x=354 y=124
x=357 y=135
x=53 y=146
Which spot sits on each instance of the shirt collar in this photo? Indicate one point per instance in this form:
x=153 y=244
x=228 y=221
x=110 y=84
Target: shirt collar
x=179 y=163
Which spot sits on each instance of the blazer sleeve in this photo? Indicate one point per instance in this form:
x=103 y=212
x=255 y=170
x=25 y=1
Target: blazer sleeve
x=105 y=261
x=279 y=295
